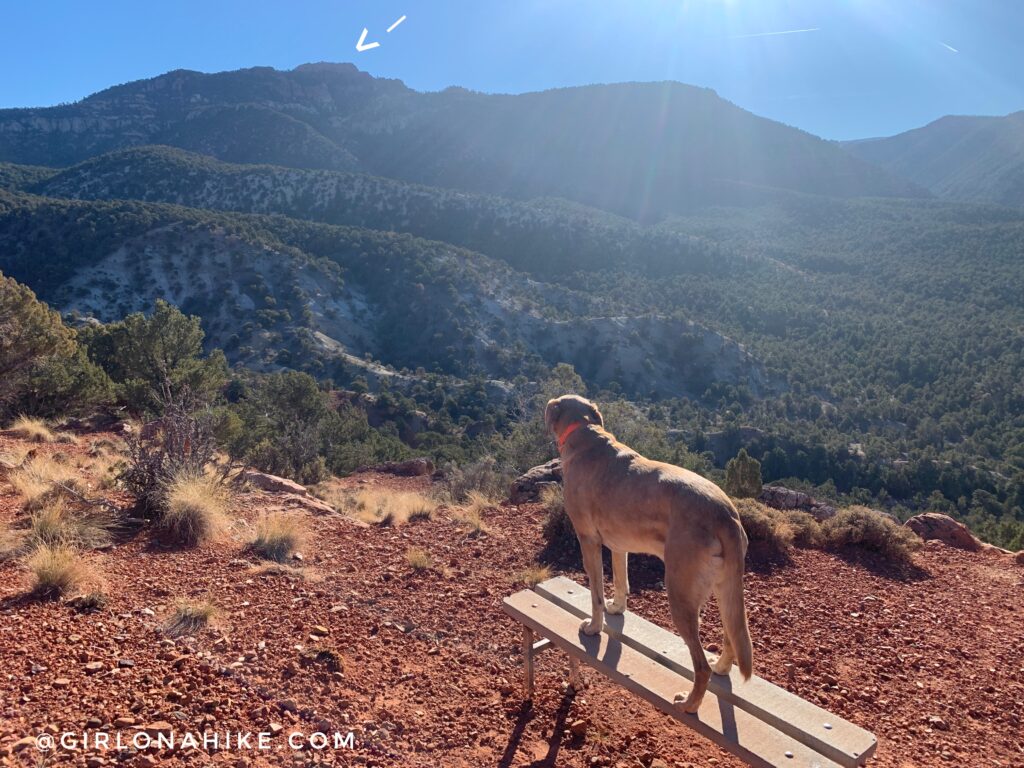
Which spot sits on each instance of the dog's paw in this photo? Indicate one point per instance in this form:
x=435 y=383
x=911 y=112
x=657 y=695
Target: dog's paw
x=686 y=703
x=722 y=666
x=591 y=627
x=615 y=608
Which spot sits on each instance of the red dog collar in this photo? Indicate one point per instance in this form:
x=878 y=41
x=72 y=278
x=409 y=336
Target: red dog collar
x=568 y=431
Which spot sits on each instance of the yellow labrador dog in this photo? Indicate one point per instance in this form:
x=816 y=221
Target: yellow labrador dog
x=617 y=498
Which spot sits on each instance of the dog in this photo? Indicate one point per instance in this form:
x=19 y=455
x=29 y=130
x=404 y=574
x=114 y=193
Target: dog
x=617 y=498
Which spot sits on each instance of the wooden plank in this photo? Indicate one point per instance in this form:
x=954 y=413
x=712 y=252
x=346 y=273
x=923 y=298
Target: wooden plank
x=840 y=740
x=739 y=732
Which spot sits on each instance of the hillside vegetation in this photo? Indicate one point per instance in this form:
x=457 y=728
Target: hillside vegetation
x=321 y=298
x=437 y=261
x=959 y=157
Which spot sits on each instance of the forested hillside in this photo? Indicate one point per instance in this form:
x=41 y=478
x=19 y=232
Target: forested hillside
x=544 y=236
x=959 y=157
x=742 y=294
x=273 y=291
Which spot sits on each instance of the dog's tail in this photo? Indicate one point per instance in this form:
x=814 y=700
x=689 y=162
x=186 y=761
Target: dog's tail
x=730 y=599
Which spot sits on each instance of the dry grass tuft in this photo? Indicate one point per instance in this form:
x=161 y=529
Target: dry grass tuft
x=195 y=510
x=189 y=617
x=31 y=429
x=57 y=569
x=103 y=462
x=278 y=535
x=534 y=575
x=424 y=512
x=384 y=507
x=14 y=456
x=472 y=512
x=472 y=518
x=419 y=559
x=38 y=480
x=867 y=529
x=56 y=523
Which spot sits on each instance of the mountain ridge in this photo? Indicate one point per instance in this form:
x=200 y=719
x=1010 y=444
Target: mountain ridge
x=973 y=158
x=686 y=137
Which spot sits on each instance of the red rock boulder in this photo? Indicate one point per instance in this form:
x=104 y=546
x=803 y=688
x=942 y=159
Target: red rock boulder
x=527 y=487
x=780 y=497
x=935 y=526
x=273 y=483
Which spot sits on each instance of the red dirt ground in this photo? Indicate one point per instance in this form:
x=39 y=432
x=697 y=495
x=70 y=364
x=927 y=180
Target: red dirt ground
x=431 y=670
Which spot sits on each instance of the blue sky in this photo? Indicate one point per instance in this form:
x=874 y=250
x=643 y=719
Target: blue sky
x=868 y=68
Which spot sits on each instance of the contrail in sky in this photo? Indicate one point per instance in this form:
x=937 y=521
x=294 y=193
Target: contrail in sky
x=948 y=47
x=772 y=34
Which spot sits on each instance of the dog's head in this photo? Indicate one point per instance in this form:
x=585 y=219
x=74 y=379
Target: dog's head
x=563 y=411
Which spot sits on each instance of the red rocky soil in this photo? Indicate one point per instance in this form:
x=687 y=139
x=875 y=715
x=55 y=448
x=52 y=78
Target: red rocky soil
x=430 y=666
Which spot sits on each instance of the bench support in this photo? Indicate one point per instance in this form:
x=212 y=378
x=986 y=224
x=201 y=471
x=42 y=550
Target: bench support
x=575 y=675
x=530 y=651
x=528 y=662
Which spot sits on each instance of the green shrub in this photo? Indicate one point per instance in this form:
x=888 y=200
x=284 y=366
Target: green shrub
x=65 y=385
x=285 y=427
x=483 y=477
x=867 y=529
x=151 y=358
x=32 y=332
x=558 y=531
x=806 y=530
x=743 y=476
x=45 y=372
x=768 y=530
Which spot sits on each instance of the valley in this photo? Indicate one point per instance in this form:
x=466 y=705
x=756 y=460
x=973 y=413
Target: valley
x=775 y=281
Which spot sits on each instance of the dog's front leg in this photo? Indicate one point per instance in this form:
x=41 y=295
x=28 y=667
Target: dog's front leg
x=595 y=573
x=620 y=575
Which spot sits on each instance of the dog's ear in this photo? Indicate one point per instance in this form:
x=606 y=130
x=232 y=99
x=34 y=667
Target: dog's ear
x=551 y=413
x=594 y=416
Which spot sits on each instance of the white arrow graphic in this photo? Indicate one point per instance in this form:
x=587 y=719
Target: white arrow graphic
x=362 y=39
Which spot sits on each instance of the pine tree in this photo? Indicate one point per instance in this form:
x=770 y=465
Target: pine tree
x=743 y=476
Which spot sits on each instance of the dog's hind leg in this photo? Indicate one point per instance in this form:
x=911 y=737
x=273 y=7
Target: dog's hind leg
x=592 y=564
x=687 y=592
x=725 y=661
x=620 y=574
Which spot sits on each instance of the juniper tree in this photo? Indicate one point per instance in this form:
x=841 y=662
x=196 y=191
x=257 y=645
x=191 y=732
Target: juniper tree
x=743 y=476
